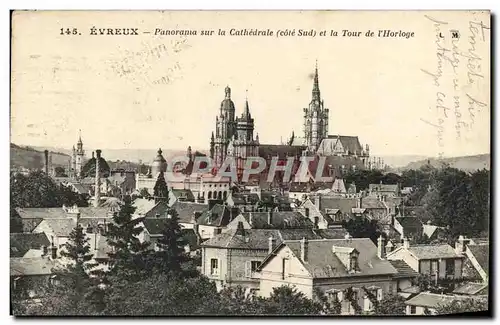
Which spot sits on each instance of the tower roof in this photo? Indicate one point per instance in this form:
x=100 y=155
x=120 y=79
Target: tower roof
x=246 y=112
x=315 y=92
x=227 y=104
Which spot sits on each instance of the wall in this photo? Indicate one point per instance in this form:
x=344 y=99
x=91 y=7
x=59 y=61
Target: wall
x=234 y=223
x=237 y=266
x=219 y=253
x=206 y=232
x=313 y=212
x=405 y=255
x=295 y=275
x=419 y=310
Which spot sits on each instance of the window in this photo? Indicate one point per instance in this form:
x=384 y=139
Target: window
x=316 y=222
x=379 y=294
x=251 y=267
x=214 y=266
x=354 y=262
x=413 y=310
x=450 y=267
x=255 y=265
x=434 y=267
x=307 y=212
x=283 y=269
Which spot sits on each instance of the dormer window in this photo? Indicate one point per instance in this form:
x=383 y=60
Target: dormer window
x=354 y=266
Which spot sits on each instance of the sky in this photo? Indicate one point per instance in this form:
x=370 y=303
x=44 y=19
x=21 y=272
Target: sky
x=399 y=95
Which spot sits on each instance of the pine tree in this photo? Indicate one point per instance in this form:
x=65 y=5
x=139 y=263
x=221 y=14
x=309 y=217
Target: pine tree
x=128 y=257
x=171 y=254
x=161 y=189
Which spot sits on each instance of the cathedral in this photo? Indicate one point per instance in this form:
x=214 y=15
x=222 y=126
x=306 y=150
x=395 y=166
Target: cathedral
x=234 y=137
x=77 y=158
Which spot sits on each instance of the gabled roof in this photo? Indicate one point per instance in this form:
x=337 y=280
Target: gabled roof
x=433 y=300
x=404 y=270
x=279 y=220
x=323 y=262
x=383 y=187
x=143 y=205
x=409 y=222
x=155 y=226
x=282 y=151
x=64 y=226
x=331 y=202
x=183 y=194
x=372 y=203
x=187 y=210
x=219 y=216
x=20 y=243
x=482 y=255
x=433 y=251
x=31 y=266
x=470 y=288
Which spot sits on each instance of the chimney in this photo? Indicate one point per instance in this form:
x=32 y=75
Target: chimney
x=53 y=251
x=406 y=243
x=304 y=246
x=271 y=243
x=240 y=231
x=97 y=194
x=461 y=244
x=270 y=217
x=317 y=201
x=46 y=153
x=381 y=247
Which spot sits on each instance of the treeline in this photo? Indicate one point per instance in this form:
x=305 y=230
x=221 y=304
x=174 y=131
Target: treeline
x=38 y=190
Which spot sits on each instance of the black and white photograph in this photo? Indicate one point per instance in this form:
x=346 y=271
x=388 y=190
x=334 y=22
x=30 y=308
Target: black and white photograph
x=250 y=163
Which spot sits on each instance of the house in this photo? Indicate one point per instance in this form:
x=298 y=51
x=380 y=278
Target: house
x=30 y=276
x=376 y=209
x=189 y=212
x=327 y=211
x=409 y=227
x=183 y=195
x=124 y=180
x=471 y=289
x=436 y=259
x=232 y=257
x=142 y=206
x=153 y=230
x=426 y=303
x=299 y=190
x=432 y=232
x=384 y=190
x=405 y=276
x=349 y=270
x=271 y=220
x=476 y=264
x=22 y=243
x=245 y=201
x=215 y=219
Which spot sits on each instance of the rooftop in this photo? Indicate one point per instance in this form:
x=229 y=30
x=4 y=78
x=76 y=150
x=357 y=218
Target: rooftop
x=433 y=300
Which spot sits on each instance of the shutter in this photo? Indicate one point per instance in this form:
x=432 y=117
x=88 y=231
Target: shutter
x=248 y=269
x=367 y=304
x=340 y=296
x=379 y=294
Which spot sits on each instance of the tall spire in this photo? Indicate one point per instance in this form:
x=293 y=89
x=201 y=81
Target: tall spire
x=246 y=112
x=315 y=91
x=228 y=92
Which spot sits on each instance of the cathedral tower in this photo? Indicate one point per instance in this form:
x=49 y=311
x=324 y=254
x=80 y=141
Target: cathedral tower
x=77 y=159
x=315 y=118
x=225 y=128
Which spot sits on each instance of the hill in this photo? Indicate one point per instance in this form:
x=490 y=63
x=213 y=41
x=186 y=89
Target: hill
x=466 y=163
x=31 y=158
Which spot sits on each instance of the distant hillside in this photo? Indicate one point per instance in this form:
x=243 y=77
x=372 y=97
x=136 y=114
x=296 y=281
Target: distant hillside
x=466 y=163
x=27 y=157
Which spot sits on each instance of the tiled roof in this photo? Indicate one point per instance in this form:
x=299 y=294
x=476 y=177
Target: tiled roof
x=58 y=213
x=187 y=210
x=409 y=222
x=159 y=210
x=155 y=226
x=31 y=266
x=279 y=220
x=62 y=227
x=330 y=202
x=383 y=187
x=372 y=203
x=404 y=270
x=482 y=255
x=470 y=288
x=281 y=151
x=81 y=188
x=183 y=194
x=218 y=216
x=20 y=243
x=332 y=233
x=143 y=205
x=300 y=187
x=426 y=252
x=322 y=262
x=259 y=238
x=433 y=300
x=245 y=198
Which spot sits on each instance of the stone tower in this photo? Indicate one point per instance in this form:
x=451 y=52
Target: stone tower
x=315 y=118
x=225 y=128
x=77 y=159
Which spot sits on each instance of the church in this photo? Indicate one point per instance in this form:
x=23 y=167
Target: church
x=234 y=137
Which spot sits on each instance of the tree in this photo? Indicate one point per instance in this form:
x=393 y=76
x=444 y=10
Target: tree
x=391 y=304
x=329 y=306
x=285 y=300
x=161 y=189
x=60 y=172
x=171 y=254
x=360 y=227
x=144 y=193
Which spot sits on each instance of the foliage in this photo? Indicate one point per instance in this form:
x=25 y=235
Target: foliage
x=391 y=304
x=350 y=296
x=286 y=300
x=161 y=190
x=143 y=192
x=463 y=306
x=60 y=171
x=360 y=227
x=329 y=306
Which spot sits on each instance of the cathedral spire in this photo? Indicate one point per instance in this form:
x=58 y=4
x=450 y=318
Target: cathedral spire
x=228 y=92
x=246 y=112
x=315 y=91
